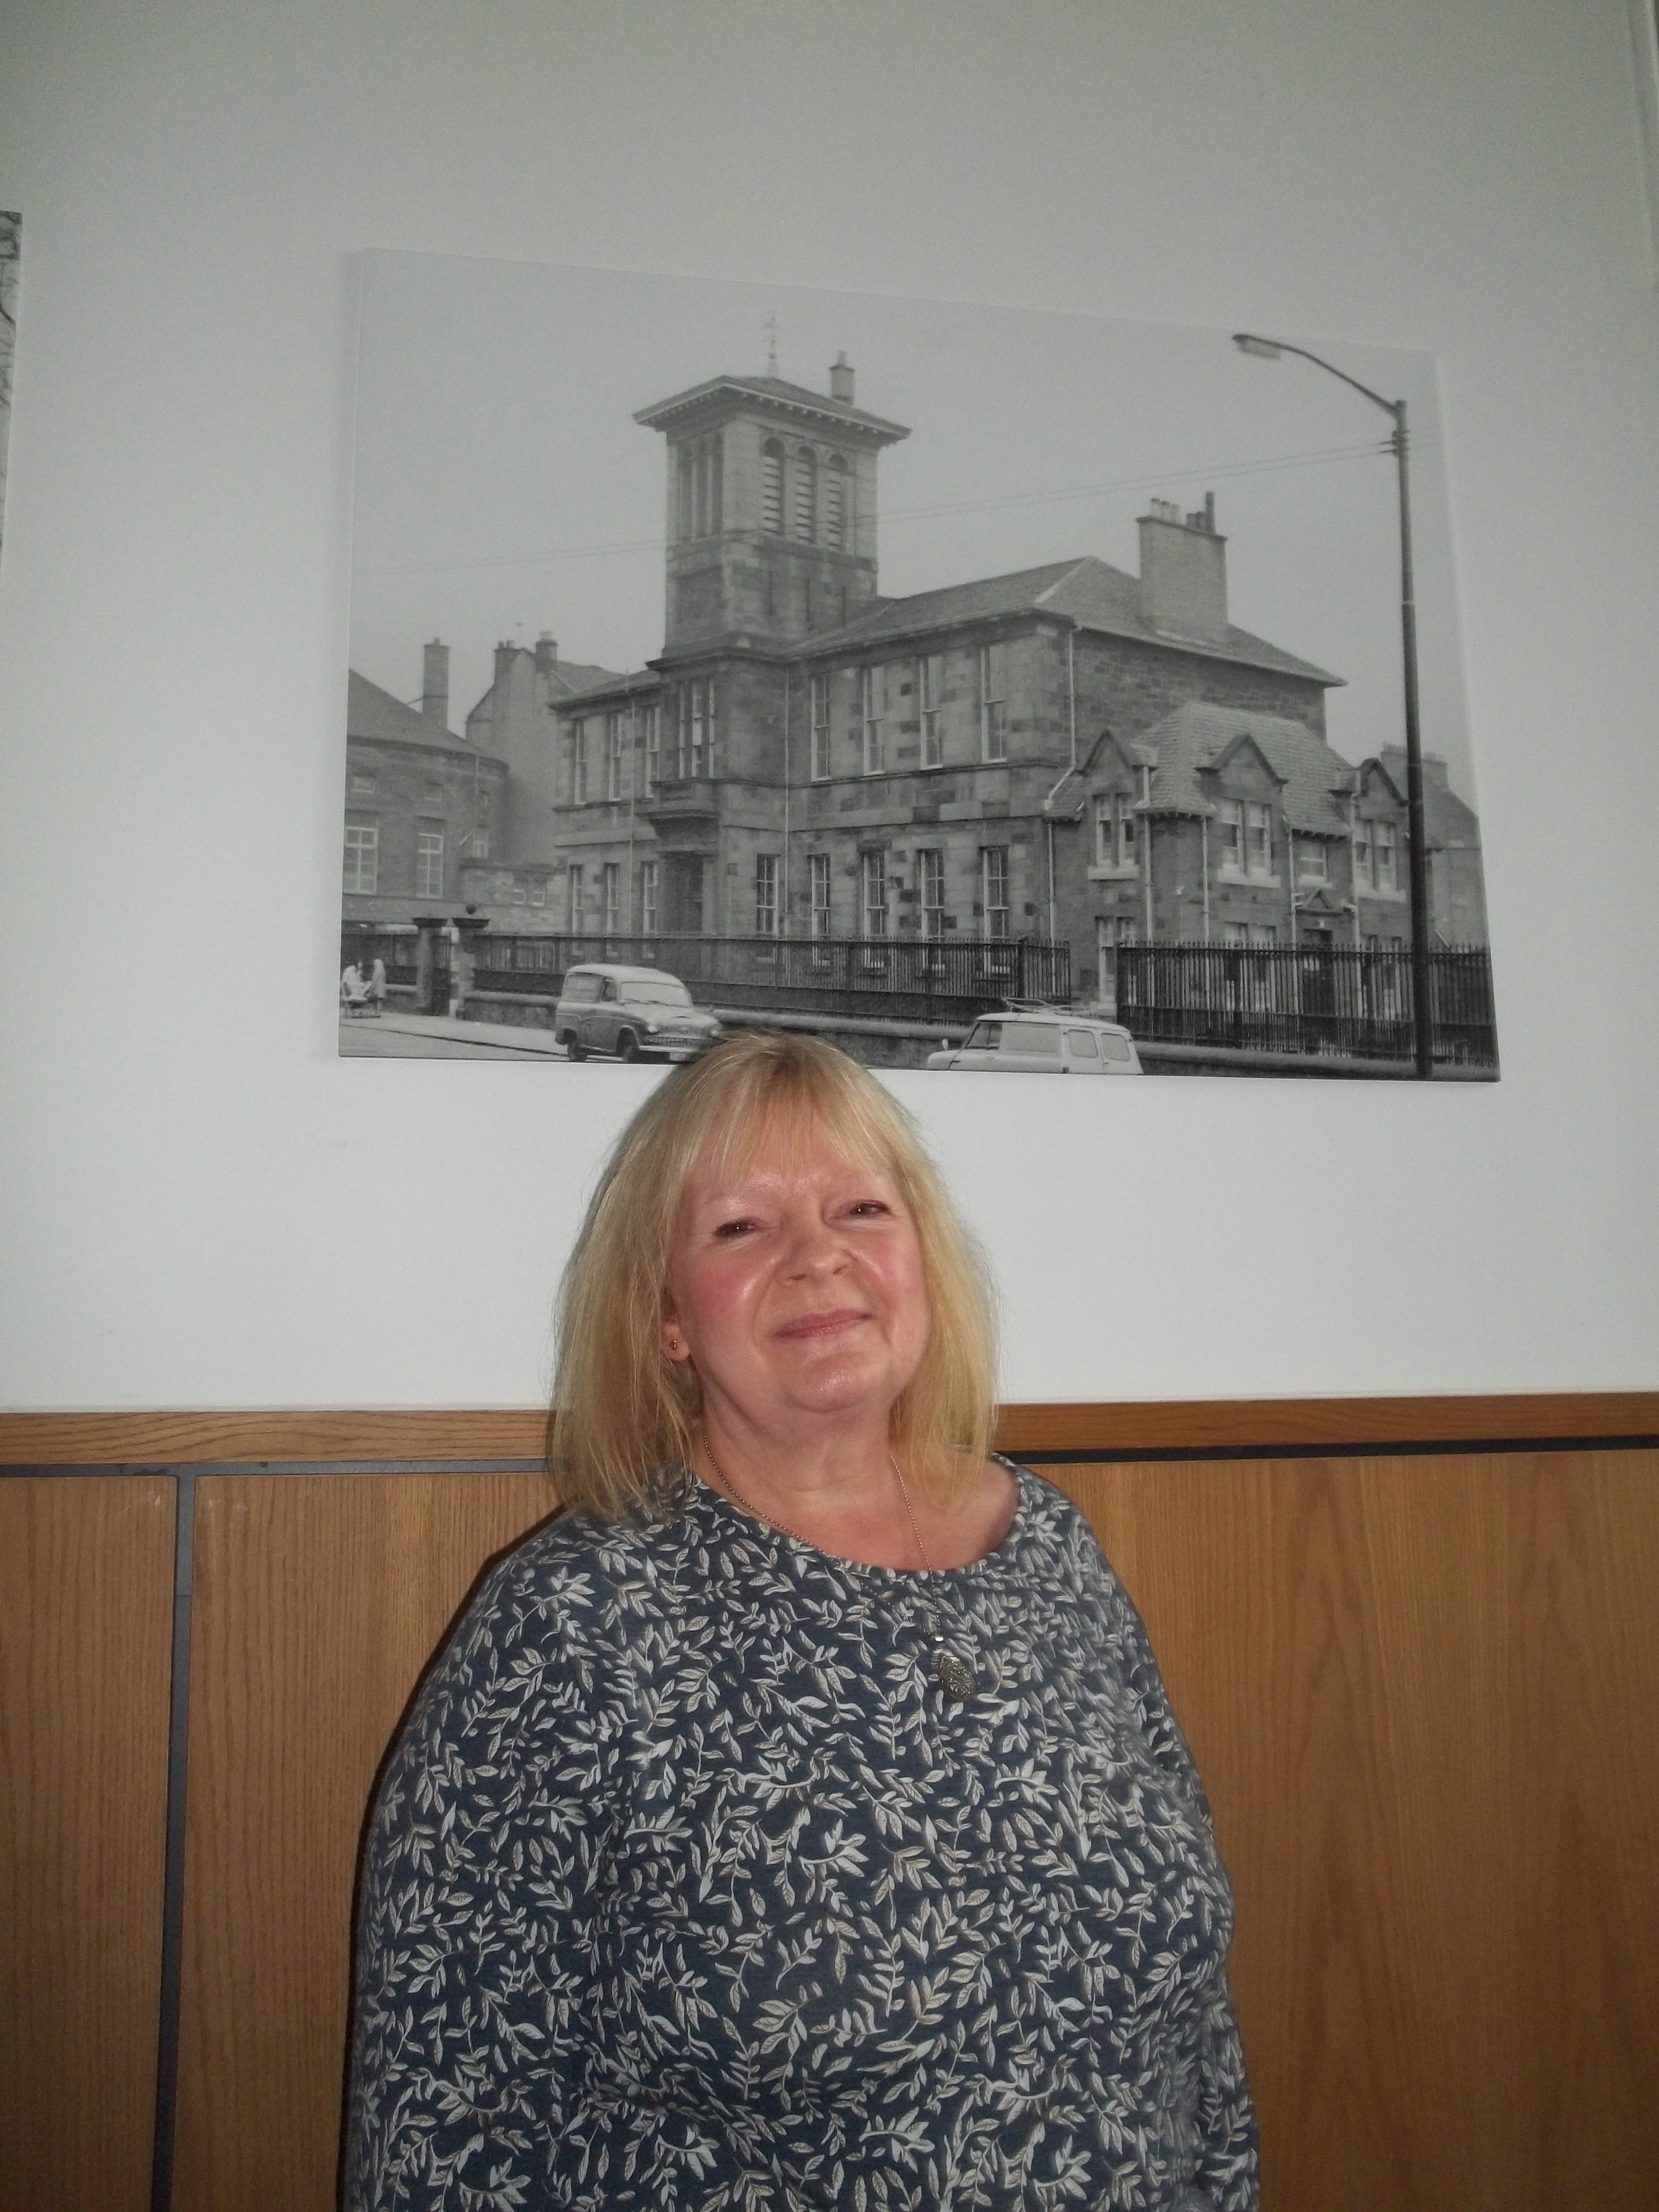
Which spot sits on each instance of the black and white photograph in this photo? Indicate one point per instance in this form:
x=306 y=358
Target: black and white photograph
x=983 y=690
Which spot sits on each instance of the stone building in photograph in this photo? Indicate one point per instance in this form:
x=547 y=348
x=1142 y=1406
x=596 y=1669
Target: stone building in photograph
x=1067 y=753
x=417 y=799
x=424 y=807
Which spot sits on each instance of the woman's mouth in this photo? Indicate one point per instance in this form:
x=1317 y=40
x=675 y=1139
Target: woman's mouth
x=831 y=1323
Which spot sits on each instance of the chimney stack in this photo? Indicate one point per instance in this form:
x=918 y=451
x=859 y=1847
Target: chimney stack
x=841 y=379
x=547 y=656
x=1183 y=572
x=435 y=685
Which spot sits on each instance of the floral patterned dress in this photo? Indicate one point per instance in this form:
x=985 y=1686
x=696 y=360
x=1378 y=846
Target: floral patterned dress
x=688 y=1886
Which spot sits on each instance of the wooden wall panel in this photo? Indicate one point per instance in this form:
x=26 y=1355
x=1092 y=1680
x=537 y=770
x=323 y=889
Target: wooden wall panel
x=1424 y=1693
x=86 y=1634
x=1424 y=1698
x=1331 y=1637
x=1584 y=1596
x=318 y=1601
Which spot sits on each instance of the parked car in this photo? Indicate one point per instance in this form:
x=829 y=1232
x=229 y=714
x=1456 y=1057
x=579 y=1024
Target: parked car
x=638 y=1013
x=1043 y=1041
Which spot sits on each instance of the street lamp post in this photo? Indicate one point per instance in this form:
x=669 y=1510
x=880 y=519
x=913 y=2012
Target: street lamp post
x=1422 y=1007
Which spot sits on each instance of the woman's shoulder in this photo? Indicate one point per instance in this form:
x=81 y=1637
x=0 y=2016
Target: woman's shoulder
x=551 y=1624
x=1055 y=1534
x=1044 y=1509
x=584 y=1566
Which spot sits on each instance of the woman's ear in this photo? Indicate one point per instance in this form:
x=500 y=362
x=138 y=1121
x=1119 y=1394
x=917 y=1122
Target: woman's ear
x=674 y=1345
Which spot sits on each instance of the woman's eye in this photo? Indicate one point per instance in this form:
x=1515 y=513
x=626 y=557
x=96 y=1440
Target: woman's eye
x=733 y=1228
x=867 y=1206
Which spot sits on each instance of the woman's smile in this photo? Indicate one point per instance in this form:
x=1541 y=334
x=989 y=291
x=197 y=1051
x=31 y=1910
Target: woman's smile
x=822 y=1324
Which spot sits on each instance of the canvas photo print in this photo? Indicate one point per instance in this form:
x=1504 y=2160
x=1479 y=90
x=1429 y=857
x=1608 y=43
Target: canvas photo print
x=11 y=247
x=987 y=692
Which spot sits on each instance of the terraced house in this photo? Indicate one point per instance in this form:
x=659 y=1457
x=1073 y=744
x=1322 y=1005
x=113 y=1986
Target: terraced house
x=1068 y=752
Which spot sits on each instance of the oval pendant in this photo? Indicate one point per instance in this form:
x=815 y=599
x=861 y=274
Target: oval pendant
x=954 y=1676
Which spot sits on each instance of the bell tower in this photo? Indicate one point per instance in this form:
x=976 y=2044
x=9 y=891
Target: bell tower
x=771 y=509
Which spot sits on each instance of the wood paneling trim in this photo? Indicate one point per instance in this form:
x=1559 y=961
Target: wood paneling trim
x=1175 y=1426
x=86 y=1639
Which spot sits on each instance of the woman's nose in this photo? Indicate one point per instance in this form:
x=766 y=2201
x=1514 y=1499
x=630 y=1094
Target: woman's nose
x=814 y=1248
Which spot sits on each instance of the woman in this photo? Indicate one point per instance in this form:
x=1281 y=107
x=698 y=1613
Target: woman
x=798 y=1820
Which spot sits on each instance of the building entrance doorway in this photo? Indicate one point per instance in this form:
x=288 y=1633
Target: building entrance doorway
x=685 y=903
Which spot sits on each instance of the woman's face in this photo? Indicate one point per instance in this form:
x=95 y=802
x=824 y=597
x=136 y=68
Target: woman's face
x=795 y=1288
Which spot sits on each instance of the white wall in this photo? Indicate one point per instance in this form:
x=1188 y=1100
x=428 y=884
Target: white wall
x=204 y=1206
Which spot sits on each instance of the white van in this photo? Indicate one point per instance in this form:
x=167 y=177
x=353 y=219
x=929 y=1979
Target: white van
x=1043 y=1041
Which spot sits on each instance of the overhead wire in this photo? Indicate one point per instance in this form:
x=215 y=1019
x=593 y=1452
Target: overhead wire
x=1211 y=472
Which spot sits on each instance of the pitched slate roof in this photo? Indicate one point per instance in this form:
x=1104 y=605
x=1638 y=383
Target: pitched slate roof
x=373 y=713
x=614 y=687
x=564 y=680
x=571 y=676
x=1090 y=591
x=1316 y=779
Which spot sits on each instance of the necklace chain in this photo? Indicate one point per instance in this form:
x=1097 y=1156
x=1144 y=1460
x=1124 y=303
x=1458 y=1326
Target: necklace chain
x=953 y=1674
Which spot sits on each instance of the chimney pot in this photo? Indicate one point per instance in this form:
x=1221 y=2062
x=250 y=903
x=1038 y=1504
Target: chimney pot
x=435 y=685
x=841 y=378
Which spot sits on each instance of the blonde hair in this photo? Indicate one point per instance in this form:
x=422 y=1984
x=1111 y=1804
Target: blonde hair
x=624 y=1417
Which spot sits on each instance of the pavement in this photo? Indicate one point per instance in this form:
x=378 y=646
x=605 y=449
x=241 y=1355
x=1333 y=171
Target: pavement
x=395 y=1035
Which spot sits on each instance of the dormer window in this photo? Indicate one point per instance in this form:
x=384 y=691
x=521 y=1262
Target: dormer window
x=1115 y=834
x=1376 y=857
x=1247 y=838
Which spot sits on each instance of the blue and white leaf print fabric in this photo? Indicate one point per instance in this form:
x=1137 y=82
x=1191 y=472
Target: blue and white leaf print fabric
x=687 y=1887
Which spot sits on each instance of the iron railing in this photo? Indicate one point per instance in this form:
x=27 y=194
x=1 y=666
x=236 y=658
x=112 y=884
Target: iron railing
x=901 y=978
x=1351 y=1000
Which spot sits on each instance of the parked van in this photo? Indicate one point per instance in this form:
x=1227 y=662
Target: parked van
x=638 y=1013
x=1043 y=1041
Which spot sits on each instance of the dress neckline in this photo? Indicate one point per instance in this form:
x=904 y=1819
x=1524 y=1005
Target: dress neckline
x=767 y=1533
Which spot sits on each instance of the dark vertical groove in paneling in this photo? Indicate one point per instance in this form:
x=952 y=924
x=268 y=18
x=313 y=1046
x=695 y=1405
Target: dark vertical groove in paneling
x=172 y=1891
